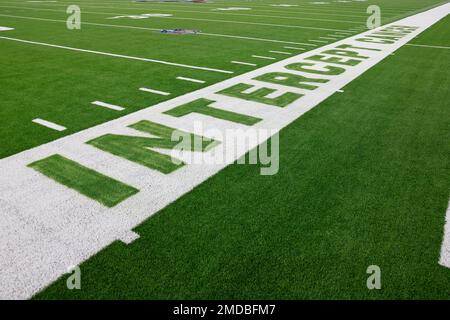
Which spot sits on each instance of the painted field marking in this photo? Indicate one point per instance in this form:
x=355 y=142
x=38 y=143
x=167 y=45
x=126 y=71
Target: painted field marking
x=155 y=91
x=154 y=29
x=263 y=57
x=49 y=124
x=117 y=55
x=190 y=80
x=252 y=23
x=340 y=90
x=328 y=38
x=294 y=48
x=209 y=20
x=445 y=248
x=280 y=52
x=319 y=41
x=129 y=237
x=107 y=105
x=427 y=46
x=218 y=13
x=5 y=28
x=29 y=200
x=244 y=63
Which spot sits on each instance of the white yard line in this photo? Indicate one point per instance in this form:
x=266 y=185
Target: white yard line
x=190 y=80
x=281 y=52
x=155 y=91
x=244 y=63
x=117 y=55
x=319 y=41
x=263 y=57
x=328 y=38
x=77 y=227
x=184 y=11
x=427 y=46
x=107 y=105
x=5 y=28
x=198 y=19
x=307 y=10
x=155 y=29
x=49 y=124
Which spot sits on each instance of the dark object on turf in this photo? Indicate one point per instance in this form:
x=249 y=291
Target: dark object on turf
x=179 y=31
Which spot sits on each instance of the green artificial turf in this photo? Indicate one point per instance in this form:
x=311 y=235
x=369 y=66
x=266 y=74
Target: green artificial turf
x=59 y=85
x=363 y=180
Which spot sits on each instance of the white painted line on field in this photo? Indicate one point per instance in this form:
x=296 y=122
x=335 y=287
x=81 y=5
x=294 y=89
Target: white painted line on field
x=155 y=91
x=155 y=29
x=129 y=237
x=107 y=105
x=280 y=52
x=253 y=23
x=78 y=227
x=49 y=124
x=445 y=248
x=294 y=48
x=340 y=90
x=117 y=55
x=328 y=38
x=5 y=28
x=427 y=46
x=190 y=80
x=222 y=21
x=263 y=57
x=244 y=63
x=319 y=41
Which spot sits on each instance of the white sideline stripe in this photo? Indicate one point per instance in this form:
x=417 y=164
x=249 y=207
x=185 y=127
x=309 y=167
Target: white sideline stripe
x=320 y=41
x=118 y=55
x=5 y=28
x=49 y=124
x=444 y=259
x=191 y=80
x=155 y=91
x=244 y=63
x=294 y=48
x=107 y=105
x=263 y=57
x=155 y=29
x=77 y=227
x=427 y=46
x=280 y=52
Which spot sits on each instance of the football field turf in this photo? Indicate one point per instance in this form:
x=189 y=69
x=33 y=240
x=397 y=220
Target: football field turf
x=363 y=177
